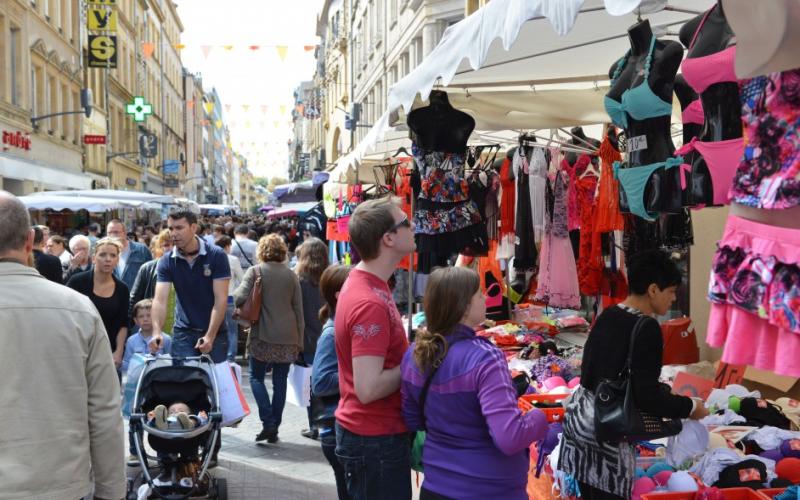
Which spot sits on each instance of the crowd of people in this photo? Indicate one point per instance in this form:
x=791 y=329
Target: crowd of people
x=371 y=389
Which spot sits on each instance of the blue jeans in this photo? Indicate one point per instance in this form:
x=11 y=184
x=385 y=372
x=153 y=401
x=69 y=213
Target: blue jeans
x=184 y=340
x=269 y=412
x=233 y=331
x=327 y=438
x=375 y=467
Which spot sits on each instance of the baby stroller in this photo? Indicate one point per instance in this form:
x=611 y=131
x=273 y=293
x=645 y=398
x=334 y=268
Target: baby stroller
x=163 y=381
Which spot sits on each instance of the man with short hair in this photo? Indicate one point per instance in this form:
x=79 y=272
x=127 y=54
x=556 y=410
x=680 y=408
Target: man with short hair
x=244 y=248
x=94 y=235
x=133 y=254
x=48 y=265
x=371 y=437
x=61 y=420
x=200 y=274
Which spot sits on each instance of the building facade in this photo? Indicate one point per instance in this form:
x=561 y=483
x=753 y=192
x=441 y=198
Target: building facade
x=40 y=74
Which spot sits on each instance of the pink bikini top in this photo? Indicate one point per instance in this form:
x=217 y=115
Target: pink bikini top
x=693 y=113
x=702 y=72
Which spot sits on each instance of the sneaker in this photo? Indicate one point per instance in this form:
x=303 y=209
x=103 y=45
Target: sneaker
x=310 y=433
x=133 y=461
x=160 y=418
x=163 y=479
x=186 y=482
x=269 y=435
x=184 y=421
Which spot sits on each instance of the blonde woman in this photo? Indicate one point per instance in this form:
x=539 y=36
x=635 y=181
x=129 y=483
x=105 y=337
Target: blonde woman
x=276 y=339
x=108 y=293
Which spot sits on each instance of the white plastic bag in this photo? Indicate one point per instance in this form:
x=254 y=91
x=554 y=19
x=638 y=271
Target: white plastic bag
x=299 y=393
x=231 y=398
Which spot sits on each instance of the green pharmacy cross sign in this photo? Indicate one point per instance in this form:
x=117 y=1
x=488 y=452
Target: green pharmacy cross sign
x=139 y=109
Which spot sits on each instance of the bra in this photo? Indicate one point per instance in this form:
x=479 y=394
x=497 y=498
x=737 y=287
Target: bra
x=703 y=72
x=693 y=113
x=639 y=102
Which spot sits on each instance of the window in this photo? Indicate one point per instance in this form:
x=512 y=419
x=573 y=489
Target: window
x=65 y=106
x=76 y=119
x=16 y=66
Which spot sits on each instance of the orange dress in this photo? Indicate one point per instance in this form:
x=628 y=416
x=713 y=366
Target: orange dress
x=609 y=218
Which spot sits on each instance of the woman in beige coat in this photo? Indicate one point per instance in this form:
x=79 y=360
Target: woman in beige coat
x=276 y=339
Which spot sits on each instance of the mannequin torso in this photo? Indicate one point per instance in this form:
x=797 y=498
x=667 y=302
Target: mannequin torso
x=654 y=132
x=686 y=96
x=439 y=126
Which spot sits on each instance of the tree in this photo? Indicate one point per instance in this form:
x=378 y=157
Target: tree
x=261 y=181
x=277 y=181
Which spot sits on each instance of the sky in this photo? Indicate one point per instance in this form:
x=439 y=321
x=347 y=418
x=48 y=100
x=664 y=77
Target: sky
x=255 y=53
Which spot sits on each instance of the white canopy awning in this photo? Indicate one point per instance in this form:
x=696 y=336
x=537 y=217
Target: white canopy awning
x=112 y=194
x=45 y=201
x=527 y=64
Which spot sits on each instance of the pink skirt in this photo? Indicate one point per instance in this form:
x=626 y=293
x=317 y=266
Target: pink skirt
x=755 y=295
x=558 y=274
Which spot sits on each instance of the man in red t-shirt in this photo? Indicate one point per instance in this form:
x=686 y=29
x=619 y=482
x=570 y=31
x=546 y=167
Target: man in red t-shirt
x=371 y=438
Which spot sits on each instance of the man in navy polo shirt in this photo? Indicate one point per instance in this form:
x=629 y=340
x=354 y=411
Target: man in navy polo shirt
x=200 y=274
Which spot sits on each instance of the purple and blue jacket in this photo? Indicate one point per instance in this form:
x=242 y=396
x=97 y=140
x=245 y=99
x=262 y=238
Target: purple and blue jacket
x=477 y=438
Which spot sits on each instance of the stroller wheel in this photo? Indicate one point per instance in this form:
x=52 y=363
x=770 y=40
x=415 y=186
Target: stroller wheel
x=221 y=489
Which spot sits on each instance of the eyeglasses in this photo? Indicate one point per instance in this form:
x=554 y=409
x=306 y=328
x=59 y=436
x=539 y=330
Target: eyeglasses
x=403 y=223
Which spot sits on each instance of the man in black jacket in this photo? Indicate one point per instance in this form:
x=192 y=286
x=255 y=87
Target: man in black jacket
x=48 y=266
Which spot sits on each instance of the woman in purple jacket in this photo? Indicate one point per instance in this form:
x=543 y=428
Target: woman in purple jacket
x=477 y=438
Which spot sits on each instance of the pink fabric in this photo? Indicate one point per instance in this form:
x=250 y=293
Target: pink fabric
x=749 y=340
x=722 y=158
x=693 y=113
x=702 y=72
x=558 y=274
x=762 y=239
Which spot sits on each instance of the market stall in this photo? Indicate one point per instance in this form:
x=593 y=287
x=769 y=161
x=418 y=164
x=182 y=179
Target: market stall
x=550 y=224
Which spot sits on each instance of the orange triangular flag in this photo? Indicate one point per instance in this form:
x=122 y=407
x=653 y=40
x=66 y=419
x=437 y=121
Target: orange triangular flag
x=254 y=47
x=309 y=48
x=190 y=104
x=206 y=50
x=209 y=107
x=148 y=49
x=282 y=50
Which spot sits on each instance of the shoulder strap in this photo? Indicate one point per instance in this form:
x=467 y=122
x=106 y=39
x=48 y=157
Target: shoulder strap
x=700 y=27
x=243 y=252
x=423 y=396
x=636 y=328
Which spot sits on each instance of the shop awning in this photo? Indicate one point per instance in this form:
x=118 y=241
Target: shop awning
x=528 y=64
x=113 y=194
x=291 y=209
x=44 y=201
x=18 y=168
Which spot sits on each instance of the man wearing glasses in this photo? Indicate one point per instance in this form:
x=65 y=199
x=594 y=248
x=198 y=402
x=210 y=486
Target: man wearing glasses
x=371 y=437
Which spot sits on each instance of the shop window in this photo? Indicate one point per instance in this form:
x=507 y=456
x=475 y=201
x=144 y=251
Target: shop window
x=15 y=46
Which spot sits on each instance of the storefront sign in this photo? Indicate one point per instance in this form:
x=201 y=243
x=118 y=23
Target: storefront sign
x=103 y=51
x=101 y=19
x=16 y=139
x=171 y=182
x=130 y=181
x=94 y=139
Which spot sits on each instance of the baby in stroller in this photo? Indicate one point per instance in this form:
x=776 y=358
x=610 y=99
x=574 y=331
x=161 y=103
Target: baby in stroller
x=177 y=417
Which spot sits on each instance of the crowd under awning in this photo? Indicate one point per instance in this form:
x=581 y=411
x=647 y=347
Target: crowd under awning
x=45 y=201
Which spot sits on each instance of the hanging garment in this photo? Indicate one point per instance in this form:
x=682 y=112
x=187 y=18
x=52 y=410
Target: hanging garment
x=558 y=275
x=446 y=219
x=493 y=207
x=755 y=296
x=703 y=72
x=768 y=175
x=538 y=187
x=588 y=279
x=525 y=255
x=507 y=199
x=574 y=172
x=609 y=218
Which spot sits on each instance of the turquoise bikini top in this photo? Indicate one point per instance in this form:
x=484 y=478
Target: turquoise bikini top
x=640 y=102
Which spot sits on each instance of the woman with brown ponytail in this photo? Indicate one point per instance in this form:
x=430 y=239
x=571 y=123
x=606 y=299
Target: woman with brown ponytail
x=477 y=438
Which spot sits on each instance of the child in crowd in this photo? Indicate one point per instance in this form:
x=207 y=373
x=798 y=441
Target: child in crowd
x=140 y=341
x=550 y=364
x=177 y=417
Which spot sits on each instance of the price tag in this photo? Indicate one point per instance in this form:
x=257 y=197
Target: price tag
x=637 y=143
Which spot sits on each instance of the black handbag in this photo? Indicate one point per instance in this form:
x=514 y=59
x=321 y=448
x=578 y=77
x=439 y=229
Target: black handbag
x=616 y=418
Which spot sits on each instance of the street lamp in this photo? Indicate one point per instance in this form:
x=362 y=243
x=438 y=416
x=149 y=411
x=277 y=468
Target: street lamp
x=86 y=104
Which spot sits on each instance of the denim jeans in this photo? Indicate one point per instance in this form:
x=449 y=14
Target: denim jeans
x=375 y=467
x=184 y=340
x=269 y=412
x=327 y=438
x=233 y=332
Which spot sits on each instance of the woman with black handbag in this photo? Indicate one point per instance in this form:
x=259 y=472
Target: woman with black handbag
x=624 y=351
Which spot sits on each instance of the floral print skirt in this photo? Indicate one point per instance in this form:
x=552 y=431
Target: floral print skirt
x=267 y=352
x=755 y=294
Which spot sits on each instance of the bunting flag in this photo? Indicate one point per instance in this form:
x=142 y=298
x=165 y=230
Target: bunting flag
x=264 y=109
x=209 y=107
x=179 y=46
x=190 y=104
x=309 y=48
x=218 y=124
x=254 y=47
x=283 y=109
x=228 y=47
x=246 y=107
x=148 y=49
x=227 y=108
x=282 y=51
x=276 y=123
x=206 y=50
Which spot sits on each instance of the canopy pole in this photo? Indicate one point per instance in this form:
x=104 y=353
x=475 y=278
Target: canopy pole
x=411 y=279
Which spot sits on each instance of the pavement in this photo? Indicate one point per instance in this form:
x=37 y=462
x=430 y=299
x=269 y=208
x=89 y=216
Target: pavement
x=294 y=468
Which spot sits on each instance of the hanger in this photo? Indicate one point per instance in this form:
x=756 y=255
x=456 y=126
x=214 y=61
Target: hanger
x=403 y=150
